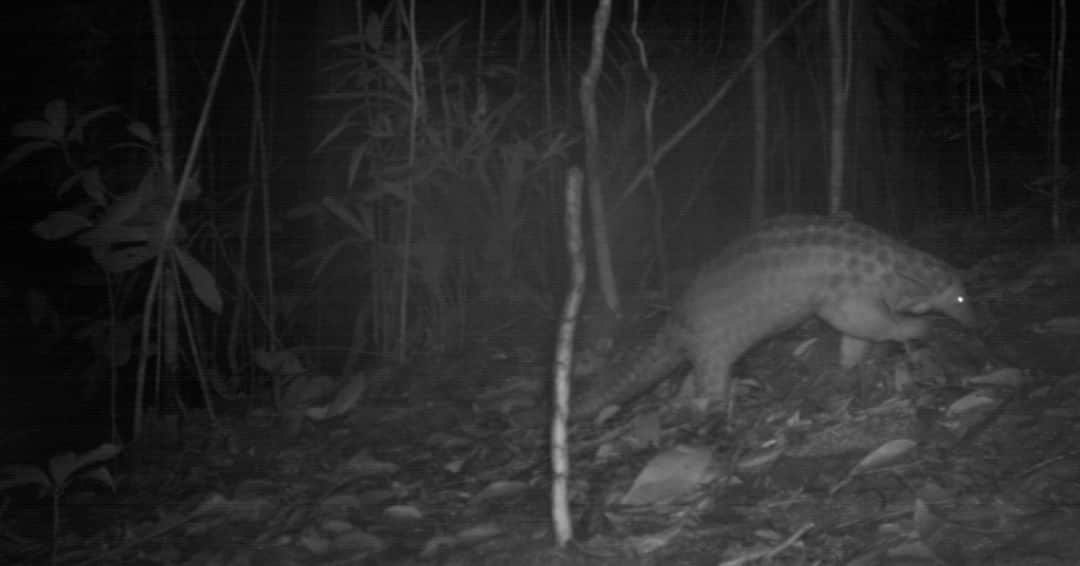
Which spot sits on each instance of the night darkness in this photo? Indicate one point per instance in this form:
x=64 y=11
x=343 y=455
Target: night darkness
x=334 y=342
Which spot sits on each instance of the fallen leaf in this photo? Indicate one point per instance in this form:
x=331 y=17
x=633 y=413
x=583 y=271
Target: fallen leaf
x=336 y=526
x=913 y=550
x=403 y=513
x=804 y=347
x=499 y=489
x=358 y=541
x=926 y=522
x=364 y=465
x=314 y=543
x=885 y=455
x=1004 y=377
x=670 y=475
x=348 y=396
x=479 y=532
x=341 y=502
x=759 y=460
x=646 y=544
x=436 y=545
x=970 y=403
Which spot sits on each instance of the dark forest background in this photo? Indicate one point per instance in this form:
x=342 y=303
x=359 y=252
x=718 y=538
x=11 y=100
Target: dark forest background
x=345 y=211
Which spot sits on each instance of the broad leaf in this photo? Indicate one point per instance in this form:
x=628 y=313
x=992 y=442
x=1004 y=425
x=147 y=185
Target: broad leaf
x=201 y=280
x=20 y=153
x=94 y=186
x=61 y=466
x=60 y=224
x=141 y=131
x=33 y=129
x=112 y=234
x=19 y=476
x=126 y=259
x=56 y=113
x=99 y=455
x=81 y=122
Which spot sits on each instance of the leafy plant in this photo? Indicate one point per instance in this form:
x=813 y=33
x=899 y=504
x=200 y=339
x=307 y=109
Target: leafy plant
x=121 y=222
x=442 y=191
x=121 y=229
x=64 y=470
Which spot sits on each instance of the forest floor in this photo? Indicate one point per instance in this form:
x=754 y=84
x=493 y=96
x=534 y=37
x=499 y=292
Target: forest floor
x=965 y=450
